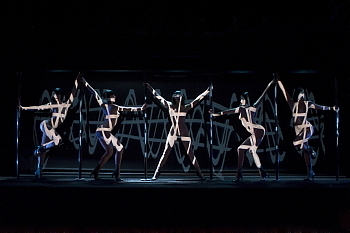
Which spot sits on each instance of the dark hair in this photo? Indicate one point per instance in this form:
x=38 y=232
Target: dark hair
x=245 y=96
x=173 y=101
x=107 y=94
x=57 y=91
x=296 y=92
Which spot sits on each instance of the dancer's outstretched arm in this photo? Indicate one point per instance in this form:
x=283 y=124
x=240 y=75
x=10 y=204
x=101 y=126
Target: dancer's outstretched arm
x=75 y=87
x=93 y=91
x=163 y=101
x=198 y=99
x=259 y=101
x=285 y=93
x=225 y=112
x=51 y=106
x=40 y=107
x=132 y=109
x=322 y=107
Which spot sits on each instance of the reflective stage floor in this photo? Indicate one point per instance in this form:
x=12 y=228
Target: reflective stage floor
x=65 y=202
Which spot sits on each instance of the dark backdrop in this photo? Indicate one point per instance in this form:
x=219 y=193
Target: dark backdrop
x=228 y=131
x=236 y=44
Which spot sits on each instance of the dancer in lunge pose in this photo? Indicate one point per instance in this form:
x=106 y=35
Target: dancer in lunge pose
x=103 y=132
x=177 y=111
x=50 y=137
x=247 y=116
x=303 y=129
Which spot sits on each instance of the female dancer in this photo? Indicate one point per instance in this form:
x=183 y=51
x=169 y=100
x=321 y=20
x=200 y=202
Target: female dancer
x=177 y=111
x=103 y=132
x=50 y=137
x=303 y=129
x=247 y=117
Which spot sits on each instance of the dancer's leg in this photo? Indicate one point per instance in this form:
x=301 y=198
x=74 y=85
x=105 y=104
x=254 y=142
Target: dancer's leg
x=168 y=147
x=118 y=160
x=187 y=142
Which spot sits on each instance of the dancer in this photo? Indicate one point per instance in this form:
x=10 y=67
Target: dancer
x=103 y=132
x=247 y=116
x=50 y=137
x=177 y=111
x=303 y=129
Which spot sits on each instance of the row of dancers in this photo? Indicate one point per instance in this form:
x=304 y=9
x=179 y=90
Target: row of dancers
x=178 y=130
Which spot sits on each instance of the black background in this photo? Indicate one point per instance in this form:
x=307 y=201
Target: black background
x=259 y=36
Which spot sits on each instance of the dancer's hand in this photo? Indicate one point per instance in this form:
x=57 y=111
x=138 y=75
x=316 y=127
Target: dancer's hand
x=276 y=78
x=148 y=86
x=80 y=78
x=214 y=114
x=144 y=106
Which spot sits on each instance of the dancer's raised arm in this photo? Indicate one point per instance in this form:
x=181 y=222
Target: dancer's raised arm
x=259 y=101
x=93 y=91
x=75 y=87
x=163 y=101
x=198 y=99
x=285 y=93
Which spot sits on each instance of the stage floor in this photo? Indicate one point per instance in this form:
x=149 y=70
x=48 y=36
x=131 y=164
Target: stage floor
x=174 y=180
x=174 y=203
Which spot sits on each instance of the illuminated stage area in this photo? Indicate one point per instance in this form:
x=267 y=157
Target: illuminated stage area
x=174 y=202
x=97 y=87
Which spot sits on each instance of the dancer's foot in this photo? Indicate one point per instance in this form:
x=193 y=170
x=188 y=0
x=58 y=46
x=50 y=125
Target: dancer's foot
x=116 y=175
x=263 y=174
x=156 y=175
x=239 y=176
x=96 y=172
x=38 y=173
x=201 y=176
x=310 y=176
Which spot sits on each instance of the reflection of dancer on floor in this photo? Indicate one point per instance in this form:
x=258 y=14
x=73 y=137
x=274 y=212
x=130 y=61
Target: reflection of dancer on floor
x=303 y=129
x=103 y=132
x=247 y=117
x=50 y=137
x=177 y=111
